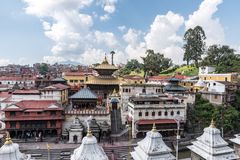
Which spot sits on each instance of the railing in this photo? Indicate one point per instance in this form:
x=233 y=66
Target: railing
x=87 y=112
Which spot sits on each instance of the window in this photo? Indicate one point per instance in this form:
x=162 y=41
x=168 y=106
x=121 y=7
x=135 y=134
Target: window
x=178 y=112
x=143 y=90
x=53 y=123
x=135 y=82
x=159 y=113
x=205 y=78
x=81 y=81
x=172 y=113
x=140 y=82
x=39 y=112
x=225 y=78
x=86 y=78
x=26 y=113
x=153 y=113
x=215 y=96
x=140 y=114
x=12 y=124
x=146 y=113
x=75 y=81
x=12 y=114
x=184 y=84
x=129 y=90
x=53 y=113
x=165 y=113
x=214 y=84
x=71 y=81
x=191 y=84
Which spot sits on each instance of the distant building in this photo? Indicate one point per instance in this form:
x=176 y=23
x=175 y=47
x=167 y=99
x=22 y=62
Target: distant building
x=211 y=146
x=152 y=147
x=133 y=79
x=227 y=77
x=26 y=118
x=206 y=70
x=27 y=82
x=144 y=110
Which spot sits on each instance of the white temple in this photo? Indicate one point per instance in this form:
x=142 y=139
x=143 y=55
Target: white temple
x=10 y=151
x=152 y=147
x=211 y=146
x=236 y=142
x=89 y=149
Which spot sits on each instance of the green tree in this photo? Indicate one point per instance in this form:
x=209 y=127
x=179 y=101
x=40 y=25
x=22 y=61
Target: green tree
x=133 y=64
x=195 y=45
x=43 y=69
x=154 y=63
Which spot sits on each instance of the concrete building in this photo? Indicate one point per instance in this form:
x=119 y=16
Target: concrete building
x=128 y=90
x=229 y=77
x=211 y=146
x=206 y=70
x=152 y=147
x=144 y=110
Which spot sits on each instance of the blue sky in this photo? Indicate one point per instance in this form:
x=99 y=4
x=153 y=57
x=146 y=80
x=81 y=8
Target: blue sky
x=83 y=30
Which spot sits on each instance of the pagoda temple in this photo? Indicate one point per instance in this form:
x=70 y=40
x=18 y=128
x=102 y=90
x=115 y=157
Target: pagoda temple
x=152 y=147
x=89 y=149
x=105 y=82
x=10 y=151
x=211 y=146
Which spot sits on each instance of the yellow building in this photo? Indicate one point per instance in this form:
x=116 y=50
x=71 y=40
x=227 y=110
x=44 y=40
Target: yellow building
x=188 y=84
x=229 y=77
x=133 y=79
x=77 y=78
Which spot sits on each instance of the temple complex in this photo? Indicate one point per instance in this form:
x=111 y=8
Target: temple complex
x=89 y=149
x=210 y=145
x=152 y=147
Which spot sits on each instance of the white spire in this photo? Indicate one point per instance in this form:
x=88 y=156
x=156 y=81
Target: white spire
x=152 y=147
x=10 y=151
x=210 y=145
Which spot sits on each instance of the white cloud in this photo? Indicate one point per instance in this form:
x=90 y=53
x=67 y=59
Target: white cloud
x=122 y=28
x=204 y=17
x=4 y=62
x=163 y=37
x=105 y=17
x=108 y=5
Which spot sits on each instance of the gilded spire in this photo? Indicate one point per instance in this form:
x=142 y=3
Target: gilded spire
x=8 y=139
x=89 y=132
x=212 y=125
x=154 y=129
x=105 y=61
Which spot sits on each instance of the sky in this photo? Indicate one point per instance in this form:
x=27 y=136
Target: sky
x=83 y=31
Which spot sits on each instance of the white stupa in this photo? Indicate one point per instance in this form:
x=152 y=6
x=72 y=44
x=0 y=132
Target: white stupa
x=200 y=83
x=89 y=149
x=10 y=151
x=211 y=146
x=152 y=147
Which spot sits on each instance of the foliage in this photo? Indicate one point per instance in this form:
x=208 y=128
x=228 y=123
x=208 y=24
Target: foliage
x=188 y=70
x=124 y=71
x=195 y=45
x=170 y=70
x=203 y=111
x=154 y=63
x=223 y=58
x=43 y=69
x=133 y=64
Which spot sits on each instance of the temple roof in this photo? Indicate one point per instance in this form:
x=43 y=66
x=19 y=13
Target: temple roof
x=89 y=149
x=210 y=145
x=84 y=93
x=152 y=147
x=110 y=80
x=236 y=140
x=106 y=65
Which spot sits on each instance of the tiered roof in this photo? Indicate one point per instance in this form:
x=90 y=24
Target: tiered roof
x=89 y=149
x=152 y=147
x=84 y=93
x=210 y=145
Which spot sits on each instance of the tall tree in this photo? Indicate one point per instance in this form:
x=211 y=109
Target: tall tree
x=154 y=63
x=195 y=45
x=133 y=64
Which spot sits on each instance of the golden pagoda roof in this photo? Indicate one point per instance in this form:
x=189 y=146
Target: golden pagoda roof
x=104 y=81
x=106 y=65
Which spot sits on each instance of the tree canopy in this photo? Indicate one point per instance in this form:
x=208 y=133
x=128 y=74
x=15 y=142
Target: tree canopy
x=154 y=63
x=195 y=45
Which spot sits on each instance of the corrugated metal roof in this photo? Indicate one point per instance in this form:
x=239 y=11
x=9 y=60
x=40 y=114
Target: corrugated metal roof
x=84 y=93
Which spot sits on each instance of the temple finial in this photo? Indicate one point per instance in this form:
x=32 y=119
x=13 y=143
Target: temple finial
x=212 y=125
x=154 y=129
x=8 y=139
x=89 y=132
x=105 y=61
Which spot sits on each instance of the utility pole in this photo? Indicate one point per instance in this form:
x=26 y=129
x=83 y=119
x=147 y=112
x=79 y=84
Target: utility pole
x=112 y=53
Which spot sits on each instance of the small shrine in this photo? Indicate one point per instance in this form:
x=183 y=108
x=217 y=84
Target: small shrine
x=152 y=147
x=75 y=131
x=236 y=143
x=10 y=151
x=89 y=149
x=210 y=145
